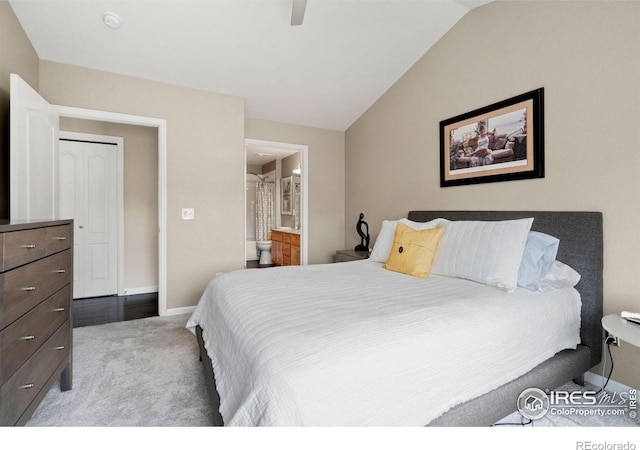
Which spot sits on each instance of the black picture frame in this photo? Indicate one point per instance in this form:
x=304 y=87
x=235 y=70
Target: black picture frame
x=515 y=151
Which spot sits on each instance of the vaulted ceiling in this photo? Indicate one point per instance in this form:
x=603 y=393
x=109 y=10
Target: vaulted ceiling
x=323 y=73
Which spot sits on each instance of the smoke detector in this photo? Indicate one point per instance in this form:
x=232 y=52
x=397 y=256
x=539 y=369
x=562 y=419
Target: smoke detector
x=112 y=20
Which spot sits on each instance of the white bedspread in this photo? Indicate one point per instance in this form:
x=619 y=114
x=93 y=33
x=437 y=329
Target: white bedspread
x=353 y=344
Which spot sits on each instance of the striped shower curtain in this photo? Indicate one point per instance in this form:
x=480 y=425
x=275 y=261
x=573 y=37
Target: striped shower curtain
x=264 y=210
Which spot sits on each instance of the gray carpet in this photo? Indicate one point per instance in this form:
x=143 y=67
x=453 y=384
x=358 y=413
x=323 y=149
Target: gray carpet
x=142 y=372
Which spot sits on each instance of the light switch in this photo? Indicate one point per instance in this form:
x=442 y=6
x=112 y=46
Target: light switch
x=188 y=214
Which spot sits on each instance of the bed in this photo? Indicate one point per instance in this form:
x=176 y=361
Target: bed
x=342 y=354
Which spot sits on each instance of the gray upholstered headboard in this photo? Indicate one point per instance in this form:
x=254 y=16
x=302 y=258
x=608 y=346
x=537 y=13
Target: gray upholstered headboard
x=580 y=235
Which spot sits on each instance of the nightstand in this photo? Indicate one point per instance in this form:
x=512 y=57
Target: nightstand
x=621 y=328
x=350 y=255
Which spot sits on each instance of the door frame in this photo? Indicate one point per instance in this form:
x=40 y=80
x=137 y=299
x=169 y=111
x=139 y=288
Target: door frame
x=119 y=145
x=304 y=188
x=161 y=126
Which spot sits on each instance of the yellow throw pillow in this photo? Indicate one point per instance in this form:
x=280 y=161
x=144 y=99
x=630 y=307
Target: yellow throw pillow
x=413 y=250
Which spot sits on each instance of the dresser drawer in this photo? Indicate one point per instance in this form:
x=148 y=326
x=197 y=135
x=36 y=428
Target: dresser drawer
x=22 y=247
x=295 y=240
x=22 y=338
x=17 y=393
x=286 y=237
x=27 y=286
x=58 y=238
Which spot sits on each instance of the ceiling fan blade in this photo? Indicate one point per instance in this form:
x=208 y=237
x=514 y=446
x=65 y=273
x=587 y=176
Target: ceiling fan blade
x=297 y=12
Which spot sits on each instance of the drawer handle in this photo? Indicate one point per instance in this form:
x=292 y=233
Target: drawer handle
x=60 y=271
x=27 y=386
x=29 y=246
x=60 y=238
x=58 y=309
x=30 y=288
x=59 y=347
x=27 y=338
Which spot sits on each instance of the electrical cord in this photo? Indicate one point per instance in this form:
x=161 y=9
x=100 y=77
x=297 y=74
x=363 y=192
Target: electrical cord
x=608 y=341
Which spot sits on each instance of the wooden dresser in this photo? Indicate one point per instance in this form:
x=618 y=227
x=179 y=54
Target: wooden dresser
x=285 y=248
x=36 y=321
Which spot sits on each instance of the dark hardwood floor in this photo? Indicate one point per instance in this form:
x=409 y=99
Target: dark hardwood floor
x=99 y=310
x=256 y=265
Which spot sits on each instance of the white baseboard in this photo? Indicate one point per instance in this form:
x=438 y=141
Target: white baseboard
x=599 y=380
x=178 y=311
x=140 y=290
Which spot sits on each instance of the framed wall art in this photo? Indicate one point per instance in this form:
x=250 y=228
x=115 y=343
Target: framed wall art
x=500 y=142
x=286 y=199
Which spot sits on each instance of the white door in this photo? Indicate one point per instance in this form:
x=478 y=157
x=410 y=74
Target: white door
x=33 y=154
x=88 y=194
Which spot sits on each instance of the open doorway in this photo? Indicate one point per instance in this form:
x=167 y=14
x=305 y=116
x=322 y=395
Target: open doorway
x=285 y=167
x=110 y=190
x=159 y=125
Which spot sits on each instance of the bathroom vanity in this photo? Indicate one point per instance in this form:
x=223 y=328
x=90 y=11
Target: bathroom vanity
x=285 y=247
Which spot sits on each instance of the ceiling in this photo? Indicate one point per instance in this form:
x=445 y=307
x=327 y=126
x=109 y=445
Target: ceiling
x=259 y=155
x=324 y=73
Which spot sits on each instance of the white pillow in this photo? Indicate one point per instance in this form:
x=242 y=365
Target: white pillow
x=384 y=241
x=560 y=276
x=487 y=252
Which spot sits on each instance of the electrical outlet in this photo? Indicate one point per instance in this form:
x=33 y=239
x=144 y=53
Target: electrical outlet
x=613 y=340
x=188 y=214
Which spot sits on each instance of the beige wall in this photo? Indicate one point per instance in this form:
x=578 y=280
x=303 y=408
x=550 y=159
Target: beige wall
x=205 y=163
x=326 y=181
x=140 y=197
x=205 y=151
x=268 y=167
x=585 y=57
x=16 y=56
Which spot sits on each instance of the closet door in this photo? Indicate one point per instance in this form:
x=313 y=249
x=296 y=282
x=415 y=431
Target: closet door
x=88 y=194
